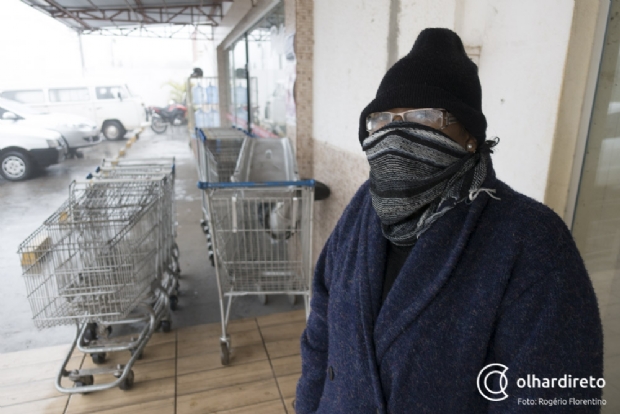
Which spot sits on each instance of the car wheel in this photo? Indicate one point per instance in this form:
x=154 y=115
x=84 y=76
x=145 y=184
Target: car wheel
x=113 y=130
x=16 y=166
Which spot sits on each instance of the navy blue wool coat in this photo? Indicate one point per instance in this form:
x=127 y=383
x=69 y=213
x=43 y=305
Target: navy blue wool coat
x=493 y=281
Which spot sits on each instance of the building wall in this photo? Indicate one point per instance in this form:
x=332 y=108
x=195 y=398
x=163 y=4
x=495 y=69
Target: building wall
x=520 y=47
x=350 y=58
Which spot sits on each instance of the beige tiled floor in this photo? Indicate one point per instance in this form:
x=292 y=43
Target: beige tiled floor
x=179 y=373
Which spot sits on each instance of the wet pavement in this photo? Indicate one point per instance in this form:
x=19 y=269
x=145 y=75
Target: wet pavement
x=25 y=205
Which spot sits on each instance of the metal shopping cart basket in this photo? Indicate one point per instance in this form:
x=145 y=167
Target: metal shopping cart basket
x=93 y=261
x=261 y=225
x=218 y=152
x=148 y=169
x=117 y=183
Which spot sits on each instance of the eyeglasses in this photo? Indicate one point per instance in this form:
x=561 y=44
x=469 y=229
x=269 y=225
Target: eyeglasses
x=434 y=118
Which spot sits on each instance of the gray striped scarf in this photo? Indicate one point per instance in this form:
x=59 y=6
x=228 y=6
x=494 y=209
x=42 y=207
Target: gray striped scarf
x=416 y=171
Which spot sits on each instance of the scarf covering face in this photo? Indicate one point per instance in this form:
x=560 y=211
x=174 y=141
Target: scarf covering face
x=415 y=169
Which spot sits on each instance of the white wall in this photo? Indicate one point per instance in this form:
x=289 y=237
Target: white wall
x=350 y=52
x=523 y=47
x=521 y=67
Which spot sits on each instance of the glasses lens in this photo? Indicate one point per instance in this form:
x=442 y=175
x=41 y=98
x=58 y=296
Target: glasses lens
x=429 y=117
x=377 y=120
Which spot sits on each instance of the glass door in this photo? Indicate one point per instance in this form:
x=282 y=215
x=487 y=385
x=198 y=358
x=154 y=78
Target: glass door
x=596 y=225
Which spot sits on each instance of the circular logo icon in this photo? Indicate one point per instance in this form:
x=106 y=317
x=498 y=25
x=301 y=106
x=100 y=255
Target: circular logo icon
x=491 y=377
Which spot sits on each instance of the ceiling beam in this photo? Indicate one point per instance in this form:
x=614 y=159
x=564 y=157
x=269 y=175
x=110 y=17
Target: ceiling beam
x=93 y=17
x=77 y=19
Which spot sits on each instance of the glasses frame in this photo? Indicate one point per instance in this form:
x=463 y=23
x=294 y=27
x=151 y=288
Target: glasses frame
x=447 y=118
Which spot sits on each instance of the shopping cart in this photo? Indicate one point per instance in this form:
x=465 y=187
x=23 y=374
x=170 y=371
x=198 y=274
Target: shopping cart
x=261 y=227
x=92 y=262
x=163 y=174
x=223 y=144
x=142 y=169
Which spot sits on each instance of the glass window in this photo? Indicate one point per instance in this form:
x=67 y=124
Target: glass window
x=269 y=75
x=261 y=55
x=110 y=92
x=69 y=95
x=596 y=225
x=238 y=85
x=34 y=96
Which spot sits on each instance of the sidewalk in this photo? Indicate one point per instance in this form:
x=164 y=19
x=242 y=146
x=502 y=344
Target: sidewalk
x=179 y=373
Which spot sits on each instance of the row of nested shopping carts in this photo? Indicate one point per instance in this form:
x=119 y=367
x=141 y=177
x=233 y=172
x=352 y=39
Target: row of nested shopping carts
x=257 y=219
x=107 y=258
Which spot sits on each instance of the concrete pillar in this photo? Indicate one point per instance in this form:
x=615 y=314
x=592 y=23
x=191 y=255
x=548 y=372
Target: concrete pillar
x=304 y=50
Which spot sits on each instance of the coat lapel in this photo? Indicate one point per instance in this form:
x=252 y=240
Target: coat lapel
x=369 y=269
x=427 y=269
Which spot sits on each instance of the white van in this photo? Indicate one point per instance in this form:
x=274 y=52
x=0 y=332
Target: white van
x=111 y=105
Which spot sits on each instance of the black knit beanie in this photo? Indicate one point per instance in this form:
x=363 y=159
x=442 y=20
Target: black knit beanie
x=436 y=73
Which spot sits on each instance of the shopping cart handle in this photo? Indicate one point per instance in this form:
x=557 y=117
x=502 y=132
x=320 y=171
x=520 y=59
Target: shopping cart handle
x=303 y=183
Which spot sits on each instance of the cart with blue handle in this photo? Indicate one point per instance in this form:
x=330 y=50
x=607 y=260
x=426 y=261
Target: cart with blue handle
x=261 y=230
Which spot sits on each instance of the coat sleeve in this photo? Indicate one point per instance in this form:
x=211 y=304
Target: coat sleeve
x=314 y=339
x=549 y=327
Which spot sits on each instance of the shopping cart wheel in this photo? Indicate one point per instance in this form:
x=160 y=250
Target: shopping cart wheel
x=127 y=383
x=292 y=299
x=211 y=259
x=262 y=299
x=224 y=353
x=174 y=302
x=90 y=333
x=98 y=357
x=166 y=326
x=84 y=381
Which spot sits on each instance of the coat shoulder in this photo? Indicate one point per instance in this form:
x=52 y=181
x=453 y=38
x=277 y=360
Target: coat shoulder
x=356 y=207
x=543 y=245
x=529 y=215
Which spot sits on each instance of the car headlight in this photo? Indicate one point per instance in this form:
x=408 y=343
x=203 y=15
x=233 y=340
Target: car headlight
x=53 y=143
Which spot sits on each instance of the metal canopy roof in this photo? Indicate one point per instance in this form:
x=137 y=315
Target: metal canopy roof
x=152 y=18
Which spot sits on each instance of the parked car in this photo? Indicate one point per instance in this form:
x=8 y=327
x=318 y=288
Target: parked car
x=110 y=105
x=24 y=150
x=78 y=132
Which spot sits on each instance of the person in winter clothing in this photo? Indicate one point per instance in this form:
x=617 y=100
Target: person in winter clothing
x=437 y=269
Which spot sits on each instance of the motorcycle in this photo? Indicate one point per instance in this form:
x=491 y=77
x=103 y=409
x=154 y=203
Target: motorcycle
x=161 y=117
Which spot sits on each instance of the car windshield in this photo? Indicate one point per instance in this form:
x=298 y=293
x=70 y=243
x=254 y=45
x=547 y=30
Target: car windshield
x=18 y=108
